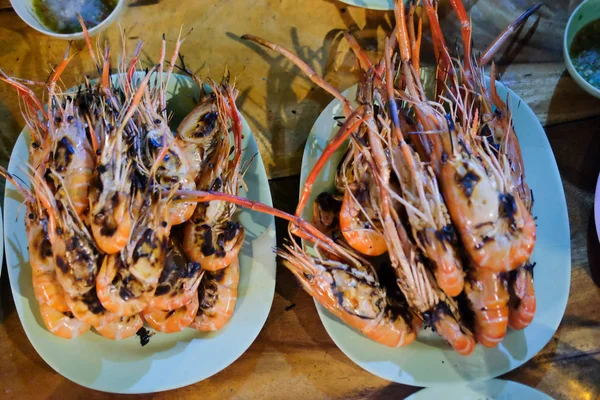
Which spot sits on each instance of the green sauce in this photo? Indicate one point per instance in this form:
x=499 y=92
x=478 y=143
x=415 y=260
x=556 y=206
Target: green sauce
x=585 y=53
x=60 y=16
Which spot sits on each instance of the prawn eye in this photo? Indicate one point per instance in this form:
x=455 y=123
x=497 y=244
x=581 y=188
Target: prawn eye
x=58 y=120
x=70 y=118
x=157 y=121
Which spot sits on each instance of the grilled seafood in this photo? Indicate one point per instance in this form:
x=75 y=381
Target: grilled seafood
x=104 y=168
x=522 y=302
x=62 y=324
x=121 y=328
x=179 y=280
x=217 y=296
x=210 y=237
x=174 y=320
x=347 y=287
x=455 y=187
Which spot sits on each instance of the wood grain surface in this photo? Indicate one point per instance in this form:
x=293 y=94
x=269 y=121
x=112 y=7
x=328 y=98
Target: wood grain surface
x=293 y=357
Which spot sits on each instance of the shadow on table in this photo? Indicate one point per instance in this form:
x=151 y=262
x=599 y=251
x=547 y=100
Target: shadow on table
x=289 y=116
x=516 y=44
x=576 y=370
x=142 y=3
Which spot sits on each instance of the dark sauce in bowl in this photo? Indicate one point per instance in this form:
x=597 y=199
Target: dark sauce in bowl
x=60 y=16
x=585 y=53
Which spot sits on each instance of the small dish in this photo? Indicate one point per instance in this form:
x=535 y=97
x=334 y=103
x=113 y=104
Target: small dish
x=24 y=10
x=382 y=5
x=493 y=389
x=168 y=361
x=429 y=361
x=585 y=13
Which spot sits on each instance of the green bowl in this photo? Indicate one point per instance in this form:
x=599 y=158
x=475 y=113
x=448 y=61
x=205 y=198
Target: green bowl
x=585 y=13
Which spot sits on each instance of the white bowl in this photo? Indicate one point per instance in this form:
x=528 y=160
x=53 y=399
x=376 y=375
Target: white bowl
x=24 y=9
x=586 y=12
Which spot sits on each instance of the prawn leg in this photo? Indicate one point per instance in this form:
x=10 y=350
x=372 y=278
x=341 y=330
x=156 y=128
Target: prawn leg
x=487 y=55
x=217 y=296
x=522 y=302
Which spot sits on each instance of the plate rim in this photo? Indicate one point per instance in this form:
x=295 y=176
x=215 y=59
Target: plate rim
x=488 y=383
x=376 y=7
x=564 y=219
x=2 y=241
x=270 y=264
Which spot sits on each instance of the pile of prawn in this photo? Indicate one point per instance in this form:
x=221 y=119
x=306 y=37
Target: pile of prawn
x=111 y=242
x=430 y=222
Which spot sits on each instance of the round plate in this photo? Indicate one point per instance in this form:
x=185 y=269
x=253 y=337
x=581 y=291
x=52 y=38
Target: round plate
x=170 y=360
x=493 y=389
x=429 y=360
x=371 y=4
x=1 y=242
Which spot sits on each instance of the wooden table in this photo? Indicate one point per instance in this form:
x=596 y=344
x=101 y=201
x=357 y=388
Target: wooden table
x=293 y=357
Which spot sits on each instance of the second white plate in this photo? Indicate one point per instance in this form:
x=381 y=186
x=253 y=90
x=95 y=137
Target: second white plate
x=430 y=361
x=493 y=389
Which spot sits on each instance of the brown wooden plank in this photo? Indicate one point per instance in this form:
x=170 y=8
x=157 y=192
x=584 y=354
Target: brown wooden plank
x=550 y=92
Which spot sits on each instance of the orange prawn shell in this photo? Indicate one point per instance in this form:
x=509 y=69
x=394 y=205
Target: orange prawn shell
x=448 y=328
x=389 y=333
x=48 y=291
x=41 y=258
x=448 y=271
x=121 y=328
x=168 y=303
x=62 y=325
x=107 y=293
x=213 y=262
x=174 y=320
x=214 y=318
x=467 y=213
x=489 y=298
x=112 y=244
x=73 y=159
x=522 y=305
x=366 y=241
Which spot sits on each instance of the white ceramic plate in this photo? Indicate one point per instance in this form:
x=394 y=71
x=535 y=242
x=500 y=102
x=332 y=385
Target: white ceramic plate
x=493 y=389
x=1 y=242
x=371 y=4
x=429 y=361
x=168 y=361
